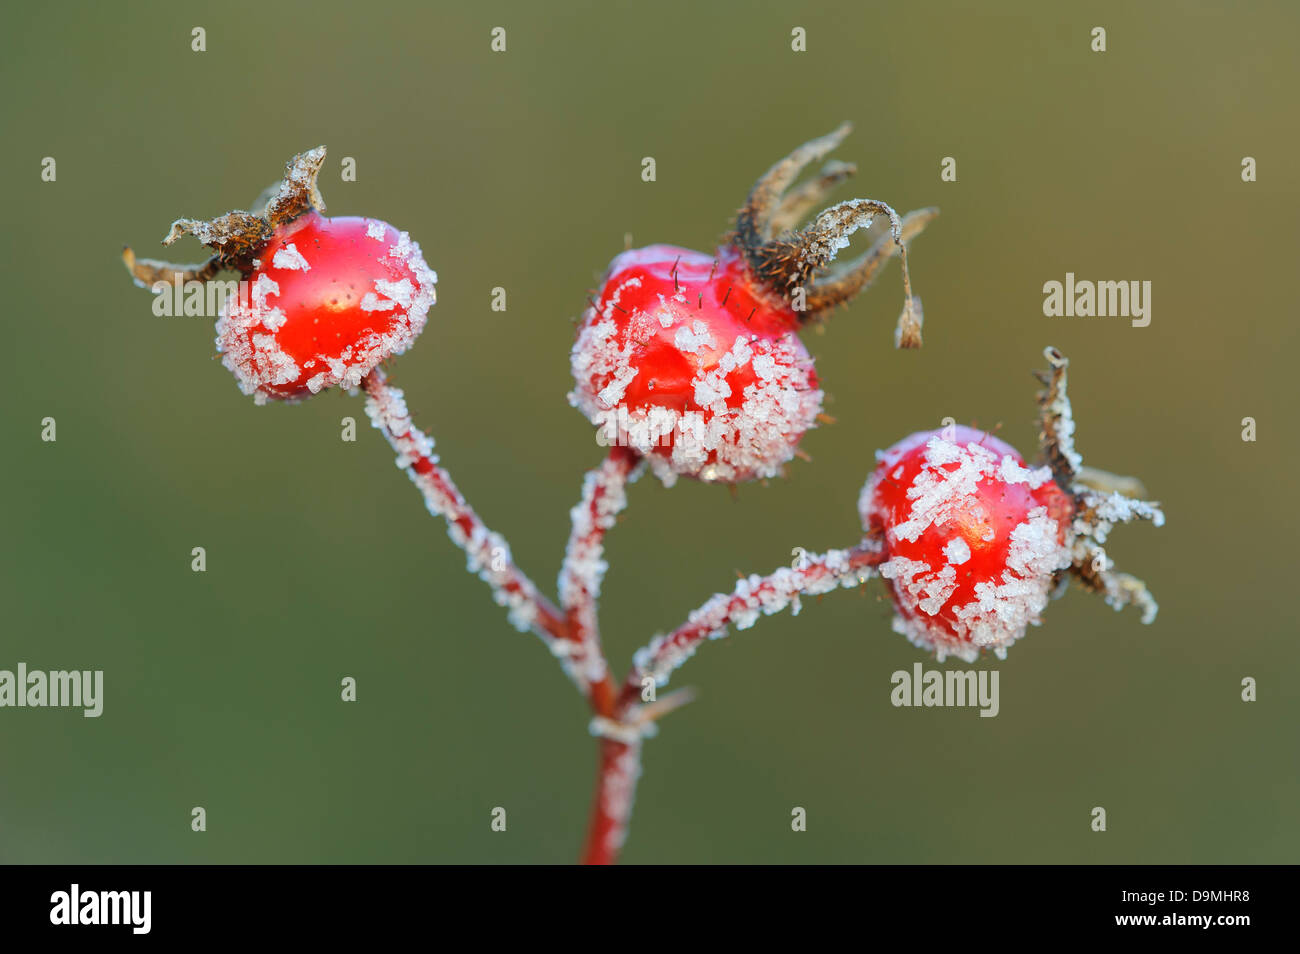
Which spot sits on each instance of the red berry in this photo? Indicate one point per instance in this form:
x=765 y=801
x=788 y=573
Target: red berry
x=327 y=301
x=322 y=301
x=696 y=368
x=973 y=540
x=694 y=360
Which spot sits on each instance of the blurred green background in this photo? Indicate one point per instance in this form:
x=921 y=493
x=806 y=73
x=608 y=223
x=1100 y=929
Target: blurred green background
x=522 y=170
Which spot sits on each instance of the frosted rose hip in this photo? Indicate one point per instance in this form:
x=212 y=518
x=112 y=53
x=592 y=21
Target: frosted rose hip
x=973 y=539
x=694 y=360
x=321 y=302
x=680 y=360
x=328 y=300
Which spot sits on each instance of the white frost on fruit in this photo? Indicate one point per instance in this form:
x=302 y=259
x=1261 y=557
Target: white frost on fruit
x=399 y=291
x=260 y=363
x=708 y=439
x=372 y=302
x=693 y=338
x=957 y=551
x=1002 y=610
x=290 y=258
x=942 y=496
x=608 y=313
x=946 y=484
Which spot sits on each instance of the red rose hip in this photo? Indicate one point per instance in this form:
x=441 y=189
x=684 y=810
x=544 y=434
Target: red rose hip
x=693 y=368
x=972 y=543
x=694 y=360
x=328 y=300
x=322 y=302
x=973 y=539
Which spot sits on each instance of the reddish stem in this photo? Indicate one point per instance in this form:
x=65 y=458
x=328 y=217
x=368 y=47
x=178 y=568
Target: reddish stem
x=603 y=498
x=616 y=778
x=572 y=634
x=820 y=573
x=620 y=756
x=487 y=552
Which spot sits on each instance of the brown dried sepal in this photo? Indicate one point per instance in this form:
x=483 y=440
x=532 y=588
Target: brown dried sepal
x=784 y=259
x=1101 y=500
x=238 y=237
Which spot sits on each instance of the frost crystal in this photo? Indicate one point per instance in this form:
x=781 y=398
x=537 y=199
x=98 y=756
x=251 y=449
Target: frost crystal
x=289 y=258
x=957 y=551
x=693 y=338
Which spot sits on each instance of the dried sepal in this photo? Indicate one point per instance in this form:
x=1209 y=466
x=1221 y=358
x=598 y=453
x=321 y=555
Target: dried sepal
x=1101 y=500
x=907 y=334
x=785 y=259
x=147 y=272
x=847 y=280
x=754 y=221
x=298 y=192
x=237 y=237
x=799 y=202
x=1056 y=422
x=1106 y=482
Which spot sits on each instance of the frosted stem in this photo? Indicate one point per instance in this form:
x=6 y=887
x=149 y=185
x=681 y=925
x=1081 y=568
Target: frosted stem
x=487 y=553
x=752 y=597
x=611 y=811
x=603 y=498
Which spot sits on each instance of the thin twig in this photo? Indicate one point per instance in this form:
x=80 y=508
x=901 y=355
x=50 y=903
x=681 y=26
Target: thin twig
x=603 y=498
x=752 y=597
x=487 y=553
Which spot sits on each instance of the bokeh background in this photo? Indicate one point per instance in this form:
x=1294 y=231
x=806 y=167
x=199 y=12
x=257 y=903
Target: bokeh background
x=522 y=170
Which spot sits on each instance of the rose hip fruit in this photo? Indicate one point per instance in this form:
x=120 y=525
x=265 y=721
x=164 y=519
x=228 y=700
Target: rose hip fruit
x=694 y=359
x=974 y=543
x=322 y=301
x=974 y=539
x=329 y=299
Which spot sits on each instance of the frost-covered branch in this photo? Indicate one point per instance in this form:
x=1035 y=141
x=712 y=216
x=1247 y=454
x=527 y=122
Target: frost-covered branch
x=753 y=596
x=621 y=736
x=603 y=498
x=487 y=553
x=616 y=778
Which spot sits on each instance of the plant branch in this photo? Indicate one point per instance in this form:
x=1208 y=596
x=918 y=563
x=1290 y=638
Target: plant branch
x=603 y=498
x=616 y=778
x=487 y=553
x=621 y=735
x=753 y=596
